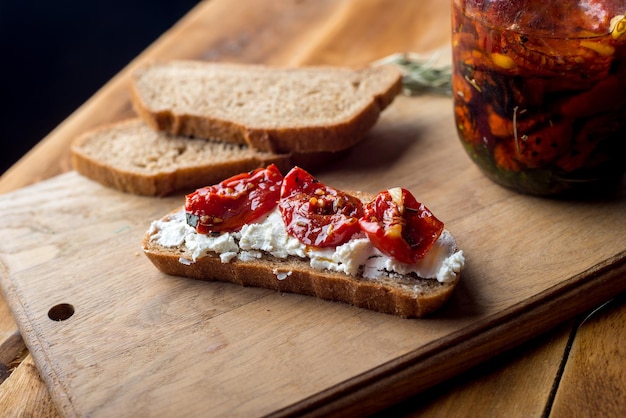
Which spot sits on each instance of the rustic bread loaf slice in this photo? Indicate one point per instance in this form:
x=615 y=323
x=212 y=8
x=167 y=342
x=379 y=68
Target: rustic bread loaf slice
x=132 y=157
x=306 y=109
x=404 y=295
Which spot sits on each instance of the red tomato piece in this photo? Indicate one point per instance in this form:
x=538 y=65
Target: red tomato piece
x=317 y=214
x=399 y=226
x=234 y=202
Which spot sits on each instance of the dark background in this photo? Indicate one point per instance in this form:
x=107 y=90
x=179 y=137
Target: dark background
x=54 y=55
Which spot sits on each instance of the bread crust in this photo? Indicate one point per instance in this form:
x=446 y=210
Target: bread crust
x=331 y=136
x=297 y=276
x=110 y=171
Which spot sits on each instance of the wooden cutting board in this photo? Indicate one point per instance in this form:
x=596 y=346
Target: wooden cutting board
x=143 y=343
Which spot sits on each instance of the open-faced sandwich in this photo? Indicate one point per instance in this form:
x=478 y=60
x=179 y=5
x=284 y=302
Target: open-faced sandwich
x=387 y=252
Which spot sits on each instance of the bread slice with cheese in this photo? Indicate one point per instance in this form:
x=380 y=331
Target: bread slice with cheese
x=131 y=157
x=280 y=110
x=268 y=258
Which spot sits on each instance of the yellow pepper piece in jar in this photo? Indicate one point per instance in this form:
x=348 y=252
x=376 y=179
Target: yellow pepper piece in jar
x=502 y=61
x=618 y=26
x=602 y=49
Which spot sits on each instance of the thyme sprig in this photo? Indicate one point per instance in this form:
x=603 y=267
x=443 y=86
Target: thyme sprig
x=421 y=75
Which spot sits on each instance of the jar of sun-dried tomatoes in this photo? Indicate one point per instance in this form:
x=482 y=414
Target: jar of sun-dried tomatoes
x=540 y=91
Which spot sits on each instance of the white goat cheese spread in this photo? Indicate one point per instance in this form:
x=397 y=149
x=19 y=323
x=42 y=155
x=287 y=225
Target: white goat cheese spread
x=268 y=235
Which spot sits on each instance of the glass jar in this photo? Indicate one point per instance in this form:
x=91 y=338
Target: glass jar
x=540 y=91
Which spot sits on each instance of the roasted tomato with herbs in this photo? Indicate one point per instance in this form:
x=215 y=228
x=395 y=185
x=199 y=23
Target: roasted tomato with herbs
x=399 y=226
x=317 y=214
x=236 y=201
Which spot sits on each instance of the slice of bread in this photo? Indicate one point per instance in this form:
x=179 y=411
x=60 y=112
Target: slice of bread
x=407 y=296
x=132 y=157
x=281 y=110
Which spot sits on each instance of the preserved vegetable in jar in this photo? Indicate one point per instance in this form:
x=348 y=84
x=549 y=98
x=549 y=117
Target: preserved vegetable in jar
x=540 y=91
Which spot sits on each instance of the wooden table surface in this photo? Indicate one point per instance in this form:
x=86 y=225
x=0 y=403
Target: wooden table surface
x=578 y=369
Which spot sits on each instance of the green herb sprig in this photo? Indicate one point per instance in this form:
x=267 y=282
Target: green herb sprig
x=419 y=75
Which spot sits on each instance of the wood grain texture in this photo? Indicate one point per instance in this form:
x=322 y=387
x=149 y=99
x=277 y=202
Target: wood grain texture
x=347 y=33
x=510 y=384
x=24 y=394
x=79 y=244
x=361 y=32
x=594 y=378
x=12 y=353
